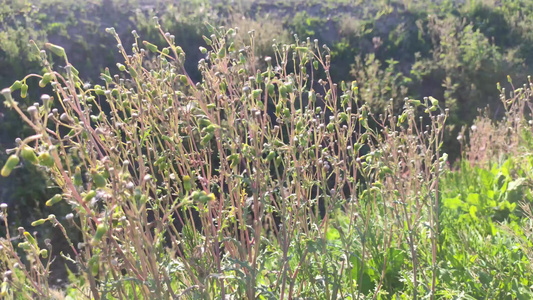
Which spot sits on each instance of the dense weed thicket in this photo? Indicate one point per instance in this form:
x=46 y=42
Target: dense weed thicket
x=263 y=181
x=453 y=50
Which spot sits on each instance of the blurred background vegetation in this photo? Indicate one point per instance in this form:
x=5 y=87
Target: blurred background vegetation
x=454 y=50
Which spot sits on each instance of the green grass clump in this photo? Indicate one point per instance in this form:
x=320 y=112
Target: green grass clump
x=253 y=182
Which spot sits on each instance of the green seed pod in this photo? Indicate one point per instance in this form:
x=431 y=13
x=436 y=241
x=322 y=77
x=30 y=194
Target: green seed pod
x=78 y=180
x=30 y=239
x=24 y=91
x=133 y=73
x=5 y=289
x=107 y=78
x=221 y=53
x=287 y=112
x=54 y=200
x=315 y=64
x=183 y=79
x=95 y=268
x=256 y=93
x=187 y=183
x=165 y=51
x=57 y=50
x=206 y=139
x=24 y=245
x=270 y=89
x=15 y=86
x=150 y=46
x=271 y=155
x=203 y=50
x=434 y=101
x=28 y=154
x=283 y=92
x=98 y=180
x=47 y=77
x=94 y=265
x=38 y=222
x=211 y=128
x=44 y=253
x=91 y=194
x=101 y=229
x=11 y=163
x=121 y=67
x=111 y=30
x=343 y=116
x=208 y=42
x=179 y=50
x=46 y=160
x=278 y=161
x=414 y=102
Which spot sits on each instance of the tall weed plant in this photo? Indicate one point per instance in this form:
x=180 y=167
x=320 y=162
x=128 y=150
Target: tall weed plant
x=272 y=183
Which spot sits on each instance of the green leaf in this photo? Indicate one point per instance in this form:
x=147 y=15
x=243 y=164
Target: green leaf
x=473 y=211
x=453 y=203
x=332 y=234
x=473 y=199
x=515 y=184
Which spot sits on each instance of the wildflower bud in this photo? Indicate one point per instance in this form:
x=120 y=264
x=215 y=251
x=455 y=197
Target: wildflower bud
x=121 y=67
x=78 y=180
x=94 y=265
x=43 y=253
x=91 y=194
x=55 y=199
x=101 y=229
x=47 y=77
x=11 y=163
x=150 y=46
x=183 y=79
x=256 y=93
x=38 y=222
x=207 y=40
x=112 y=31
x=271 y=155
x=203 y=50
x=30 y=239
x=3 y=206
x=187 y=183
x=57 y=50
x=4 y=290
x=15 y=86
x=206 y=139
x=28 y=154
x=45 y=159
x=134 y=33
x=98 y=180
x=24 y=245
